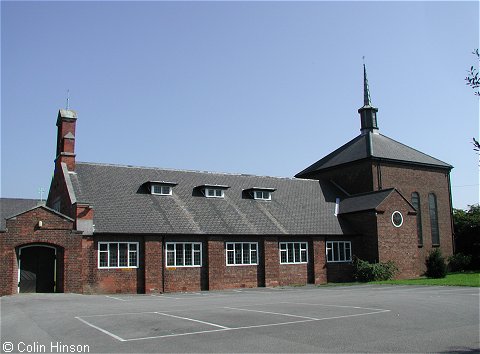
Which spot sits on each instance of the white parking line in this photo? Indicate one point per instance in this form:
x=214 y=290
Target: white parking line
x=302 y=319
x=116 y=298
x=192 y=319
x=101 y=329
x=272 y=313
x=255 y=326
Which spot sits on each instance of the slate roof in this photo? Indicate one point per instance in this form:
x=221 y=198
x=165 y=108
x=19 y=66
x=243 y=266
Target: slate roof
x=122 y=203
x=364 y=201
x=12 y=206
x=373 y=145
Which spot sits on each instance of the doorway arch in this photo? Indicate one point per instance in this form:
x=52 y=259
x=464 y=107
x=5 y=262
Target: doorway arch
x=37 y=268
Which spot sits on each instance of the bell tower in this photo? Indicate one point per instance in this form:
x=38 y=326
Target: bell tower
x=368 y=113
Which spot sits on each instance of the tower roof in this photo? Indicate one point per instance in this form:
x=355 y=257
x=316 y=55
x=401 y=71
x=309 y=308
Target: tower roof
x=373 y=146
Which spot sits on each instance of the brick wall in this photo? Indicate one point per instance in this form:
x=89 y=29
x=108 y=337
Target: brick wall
x=56 y=231
x=354 y=178
x=317 y=260
x=424 y=181
x=398 y=244
x=223 y=276
x=111 y=280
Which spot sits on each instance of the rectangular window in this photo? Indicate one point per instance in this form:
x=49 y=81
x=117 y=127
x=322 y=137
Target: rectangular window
x=262 y=195
x=416 y=205
x=214 y=193
x=339 y=251
x=242 y=253
x=118 y=255
x=432 y=206
x=293 y=252
x=183 y=254
x=161 y=189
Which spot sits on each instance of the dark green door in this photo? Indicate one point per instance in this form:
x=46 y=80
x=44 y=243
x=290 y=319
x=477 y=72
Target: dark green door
x=37 y=270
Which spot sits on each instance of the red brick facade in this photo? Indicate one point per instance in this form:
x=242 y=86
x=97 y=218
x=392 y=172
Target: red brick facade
x=41 y=227
x=373 y=235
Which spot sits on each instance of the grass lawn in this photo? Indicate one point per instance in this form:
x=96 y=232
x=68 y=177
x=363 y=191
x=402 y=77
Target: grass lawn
x=452 y=279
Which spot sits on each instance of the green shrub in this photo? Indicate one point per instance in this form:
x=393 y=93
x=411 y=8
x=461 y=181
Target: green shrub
x=459 y=262
x=364 y=271
x=436 y=266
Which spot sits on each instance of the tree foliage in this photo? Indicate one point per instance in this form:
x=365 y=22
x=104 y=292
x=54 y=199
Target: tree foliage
x=472 y=79
x=436 y=265
x=467 y=233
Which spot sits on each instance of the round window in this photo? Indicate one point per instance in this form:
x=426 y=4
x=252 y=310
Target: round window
x=397 y=219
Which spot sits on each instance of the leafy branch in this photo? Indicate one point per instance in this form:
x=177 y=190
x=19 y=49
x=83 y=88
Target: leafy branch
x=472 y=79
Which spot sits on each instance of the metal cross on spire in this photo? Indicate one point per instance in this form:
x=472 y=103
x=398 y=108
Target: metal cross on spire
x=68 y=99
x=41 y=190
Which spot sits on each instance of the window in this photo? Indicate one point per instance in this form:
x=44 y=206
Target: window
x=117 y=254
x=339 y=251
x=397 y=219
x=416 y=205
x=262 y=195
x=242 y=253
x=160 y=189
x=432 y=206
x=214 y=193
x=293 y=252
x=183 y=254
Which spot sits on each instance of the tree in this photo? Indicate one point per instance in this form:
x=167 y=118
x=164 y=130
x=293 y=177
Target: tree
x=467 y=233
x=473 y=80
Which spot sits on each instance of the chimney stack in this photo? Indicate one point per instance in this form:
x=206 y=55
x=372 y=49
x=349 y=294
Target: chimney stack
x=66 y=122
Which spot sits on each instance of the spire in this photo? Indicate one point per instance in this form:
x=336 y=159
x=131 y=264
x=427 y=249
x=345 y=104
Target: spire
x=368 y=113
x=366 y=90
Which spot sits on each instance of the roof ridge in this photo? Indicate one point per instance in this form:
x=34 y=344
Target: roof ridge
x=186 y=170
x=328 y=157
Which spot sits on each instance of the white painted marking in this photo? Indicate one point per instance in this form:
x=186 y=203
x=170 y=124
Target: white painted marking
x=272 y=313
x=167 y=297
x=116 y=298
x=256 y=326
x=118 y=314
x=101 y=330
x=192 y=319
x=326 y=305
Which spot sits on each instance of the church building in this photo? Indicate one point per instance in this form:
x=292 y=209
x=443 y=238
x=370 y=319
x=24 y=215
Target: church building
x=124 y=229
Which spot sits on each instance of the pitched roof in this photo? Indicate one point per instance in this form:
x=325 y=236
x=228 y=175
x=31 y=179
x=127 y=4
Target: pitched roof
x=364 y=201
x=373 y=145
x=122 y=203
x=12 y=206
x=367 y=201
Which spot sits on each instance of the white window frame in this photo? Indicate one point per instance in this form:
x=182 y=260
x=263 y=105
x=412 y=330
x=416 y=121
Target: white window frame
x=195 y=249
x=260 y=195
x=162 y=191
x=240 y=246
x=216 y=193
x=331 y=245
x=130 y=253
x=302 y=248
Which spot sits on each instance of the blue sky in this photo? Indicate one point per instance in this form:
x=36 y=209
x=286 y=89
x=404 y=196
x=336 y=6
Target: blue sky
x=264 y=88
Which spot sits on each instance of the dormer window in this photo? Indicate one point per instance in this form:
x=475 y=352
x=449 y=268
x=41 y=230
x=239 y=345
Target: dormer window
x=213 y=190
x=214 y=193
x=161 y=187
x=263 y=195
x=259 y=193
